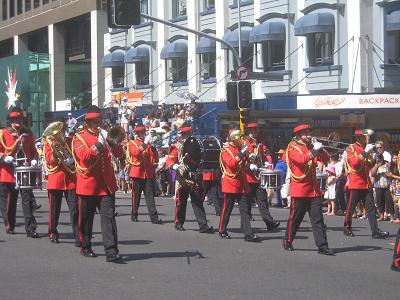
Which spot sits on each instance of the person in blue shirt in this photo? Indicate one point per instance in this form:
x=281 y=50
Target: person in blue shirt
x=281 y=166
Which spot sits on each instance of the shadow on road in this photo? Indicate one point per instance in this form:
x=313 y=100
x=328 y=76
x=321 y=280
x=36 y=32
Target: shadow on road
x=143 y=256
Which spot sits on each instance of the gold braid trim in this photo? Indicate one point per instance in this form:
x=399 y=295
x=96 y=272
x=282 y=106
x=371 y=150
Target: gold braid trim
x=308 y=166
x=224 y=171
x=47 y=167
x=9 y=149
x=129 y=157
x=81 y=170
x=348 y=169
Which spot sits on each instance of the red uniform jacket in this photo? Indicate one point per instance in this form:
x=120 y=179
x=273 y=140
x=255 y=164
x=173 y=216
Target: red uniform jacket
x=8 y=146
x=357 y=167
x=142 y=161
x=233 y=177
x=302 y=164
x=210 y=176
x=59 y=178
x=95 y=174
x=173 y=155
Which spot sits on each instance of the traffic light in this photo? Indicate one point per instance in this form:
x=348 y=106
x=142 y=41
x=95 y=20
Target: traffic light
x=127 y=12
x=245 y=96
x=231 y=96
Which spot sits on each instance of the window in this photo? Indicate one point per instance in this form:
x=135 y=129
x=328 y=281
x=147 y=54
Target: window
x=142 y=73
x=5 y=9
x=177 y=68
x=178 y=8
x=20 y=8
x=36 y=3
x=208 y=65
x=272 y=55
x=320 y=49
x=395 y=57
x=12 y=9
x=118 y=77
x=144 y=9
x=247 y=58
x=45 y=1
x=209 y=4
x=28 y=4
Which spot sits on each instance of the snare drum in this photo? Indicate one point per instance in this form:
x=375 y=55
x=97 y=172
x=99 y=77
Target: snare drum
x=204 y=151
x=321 y=179
x=28 y=177
x=270 y=179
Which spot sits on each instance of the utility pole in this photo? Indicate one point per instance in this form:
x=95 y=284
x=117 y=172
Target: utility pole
x=242 y=111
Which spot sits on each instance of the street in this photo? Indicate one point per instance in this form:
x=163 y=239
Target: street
x=165 y=264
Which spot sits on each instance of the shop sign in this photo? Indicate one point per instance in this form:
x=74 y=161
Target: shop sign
x=350 y=101
x=63 y=105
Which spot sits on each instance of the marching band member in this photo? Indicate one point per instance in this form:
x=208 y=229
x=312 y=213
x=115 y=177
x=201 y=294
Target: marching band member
x=301 y=158
x=257 y=156
x=358 y=163
x=143 y=158
x=235 y=186
x=16 y=141
x=60 y=167
x=96 y=184
x=186 y=185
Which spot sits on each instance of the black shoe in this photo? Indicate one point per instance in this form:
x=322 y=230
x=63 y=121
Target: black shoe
x=33 y=234
x=326 y=251
x=156 y=221
x=224 y=235
x=77 y=245
x=380 y=234
x=115 y=214
x=273 y=226
x=115 y=258
x=348 y=232
x=36 y=206
x=179 y=227
x=287 y=246
x=251 y=238
x=54 y=240
x=134 y=219
x=395 y=266
x=88 y=252
x=10 y=231
x=208 y=229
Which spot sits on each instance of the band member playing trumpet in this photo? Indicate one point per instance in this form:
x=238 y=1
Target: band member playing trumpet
x=257 y=157
x=143 y=158
x=16 y=143
x=301 y=158
x=60 y=167
x=188 y=183
x=96 y=184
x=235 y=186
x=358 y=163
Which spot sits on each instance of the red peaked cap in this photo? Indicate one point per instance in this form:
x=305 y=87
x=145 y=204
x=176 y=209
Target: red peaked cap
x=301 y=127
x=14 y=114
x=92 y=115
x=252 y=125
x=358 y=132
x=185 y=130
x=140 y=128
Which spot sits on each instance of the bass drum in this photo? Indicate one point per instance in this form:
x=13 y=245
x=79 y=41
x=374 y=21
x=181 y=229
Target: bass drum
x=202 y=152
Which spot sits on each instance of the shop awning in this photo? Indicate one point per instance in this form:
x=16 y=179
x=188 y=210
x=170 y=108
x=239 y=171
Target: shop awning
x=137 y=55
x=315 y=22
x=393 y=21
x=113 y=59
x=205 y=45
x=268 y=31
x=232 y=37
x=176 y=49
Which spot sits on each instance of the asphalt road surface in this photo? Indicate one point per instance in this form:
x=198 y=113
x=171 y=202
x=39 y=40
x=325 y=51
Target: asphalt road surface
x=162 y=263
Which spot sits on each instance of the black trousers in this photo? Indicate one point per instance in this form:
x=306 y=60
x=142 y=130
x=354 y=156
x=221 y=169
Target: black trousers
x=298 y=208
x=55 y=199
x=196 y=197
x=367 y=198
x=211 y=190
x=261 y=198
x=87 y=208
x=396 y=254
x=229 y=203
x=145 y=186
x=340 y=202
x=384 y=200
x=8 y=206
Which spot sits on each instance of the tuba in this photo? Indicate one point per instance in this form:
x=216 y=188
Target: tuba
x=61 y=151
x=116 y=135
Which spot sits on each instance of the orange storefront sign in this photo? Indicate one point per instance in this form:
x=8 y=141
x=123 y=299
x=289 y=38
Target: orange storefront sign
x=135 y=96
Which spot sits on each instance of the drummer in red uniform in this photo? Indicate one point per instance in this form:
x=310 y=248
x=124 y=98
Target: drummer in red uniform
x=142 y=158
x=16 y=142
x=61 y=181
x=257 y=155
x=235 y=186
x=96 y=184
x=301 y=158
x=358 y=163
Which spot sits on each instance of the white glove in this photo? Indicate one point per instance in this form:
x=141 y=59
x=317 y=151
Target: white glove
x=8 y=159
x=245 y=149
x=253 y=167
x=267 y=164
x=252 y=157
x=101 y=138
x=369 y=147
x=69 y=161
x=317 y=146
x=33 y=162
x=175 y=166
